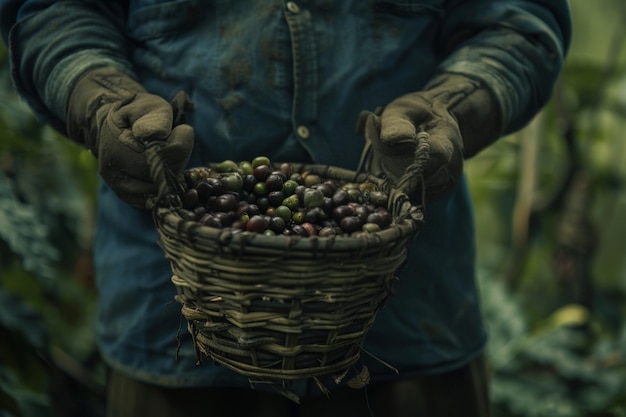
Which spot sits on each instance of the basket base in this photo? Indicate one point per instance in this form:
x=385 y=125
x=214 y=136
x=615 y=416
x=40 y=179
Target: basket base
x=269 y=361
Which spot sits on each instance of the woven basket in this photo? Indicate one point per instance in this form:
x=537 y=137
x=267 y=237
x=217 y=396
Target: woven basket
x=281 y=308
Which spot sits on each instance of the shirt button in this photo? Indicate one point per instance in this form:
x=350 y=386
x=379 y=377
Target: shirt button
x=293 y=7
x=303 y=132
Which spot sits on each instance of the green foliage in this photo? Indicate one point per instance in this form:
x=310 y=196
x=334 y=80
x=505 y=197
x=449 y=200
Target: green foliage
x=19 y=353
x=24 y=232
x=49 y=364
x=549 y=203
x=563 y=365
x=20 y=400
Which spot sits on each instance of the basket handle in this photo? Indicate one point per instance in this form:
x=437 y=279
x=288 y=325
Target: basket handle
x=162 y=176
x=167 y=183
x=412 y=180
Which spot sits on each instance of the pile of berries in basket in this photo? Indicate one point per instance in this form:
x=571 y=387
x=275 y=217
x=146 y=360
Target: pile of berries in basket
x=258 y=196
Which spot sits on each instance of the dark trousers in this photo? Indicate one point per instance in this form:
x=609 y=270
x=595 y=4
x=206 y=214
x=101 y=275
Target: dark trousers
x=461 y=393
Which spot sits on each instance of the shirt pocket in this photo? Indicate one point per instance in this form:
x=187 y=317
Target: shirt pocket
x=409 y=8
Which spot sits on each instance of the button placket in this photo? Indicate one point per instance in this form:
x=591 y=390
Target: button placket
x=305 y=71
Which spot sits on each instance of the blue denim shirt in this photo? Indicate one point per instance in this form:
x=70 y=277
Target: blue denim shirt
x=288 y=80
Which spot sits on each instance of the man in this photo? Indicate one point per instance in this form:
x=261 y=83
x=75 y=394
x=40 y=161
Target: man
x=288 y=80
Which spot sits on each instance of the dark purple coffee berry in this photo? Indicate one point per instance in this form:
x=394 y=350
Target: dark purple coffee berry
x=257 y=224
x=190 y=199
x=277 y=225
x=350 y=224
x=226 y=202
x=341 y=197
x=340 y=212
x=276 y=198
x=261 y=172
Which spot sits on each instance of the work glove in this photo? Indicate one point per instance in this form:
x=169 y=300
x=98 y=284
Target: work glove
x=114 y=116
x=459 y=117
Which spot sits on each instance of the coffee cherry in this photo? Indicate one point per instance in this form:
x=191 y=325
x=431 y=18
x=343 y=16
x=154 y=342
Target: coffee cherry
x=327 y=231
x=361 y=211
x=245 y=168
x=314 y=215
x=289 y=187
x=283 y=212
x=260 y=160
x=326 y=189
x=287 y=169
x=260 y=188
x=379 y=198
x=249 y=181
x=277 y=224
x=233 y=182
x=211 y=220
x=297 y=177
x=258 y=224
x=382 y=218
x=310 y=228
x=248 y=208
x=293 y=202
x=204 y=189
x=311 y=180
x=263 y=203
x=276 y=198
x=342 y=211
x=261 y=172
x=313 y=198
x=226 y=166
x=350 y=224
x=341 y=197
x=355 y=195
x=299 y=230
x=226 y=218
x=190 y=199
x=297 y=217
x=226 y=202
x=274 y=182
x=217 y=187
x=371 y=227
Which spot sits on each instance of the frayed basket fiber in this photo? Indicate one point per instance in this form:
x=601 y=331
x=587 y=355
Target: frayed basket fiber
x=281 y=308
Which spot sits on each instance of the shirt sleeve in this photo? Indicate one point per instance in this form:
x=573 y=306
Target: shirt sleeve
x=52 y=43
x=516 y=48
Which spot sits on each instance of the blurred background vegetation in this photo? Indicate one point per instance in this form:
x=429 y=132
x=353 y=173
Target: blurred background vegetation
x=549 y=205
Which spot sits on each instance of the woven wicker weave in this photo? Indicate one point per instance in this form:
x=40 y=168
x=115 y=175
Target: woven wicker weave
x=280 y=308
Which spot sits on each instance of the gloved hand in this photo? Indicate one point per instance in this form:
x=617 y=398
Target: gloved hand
x=460 y=116
x=114 y=116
